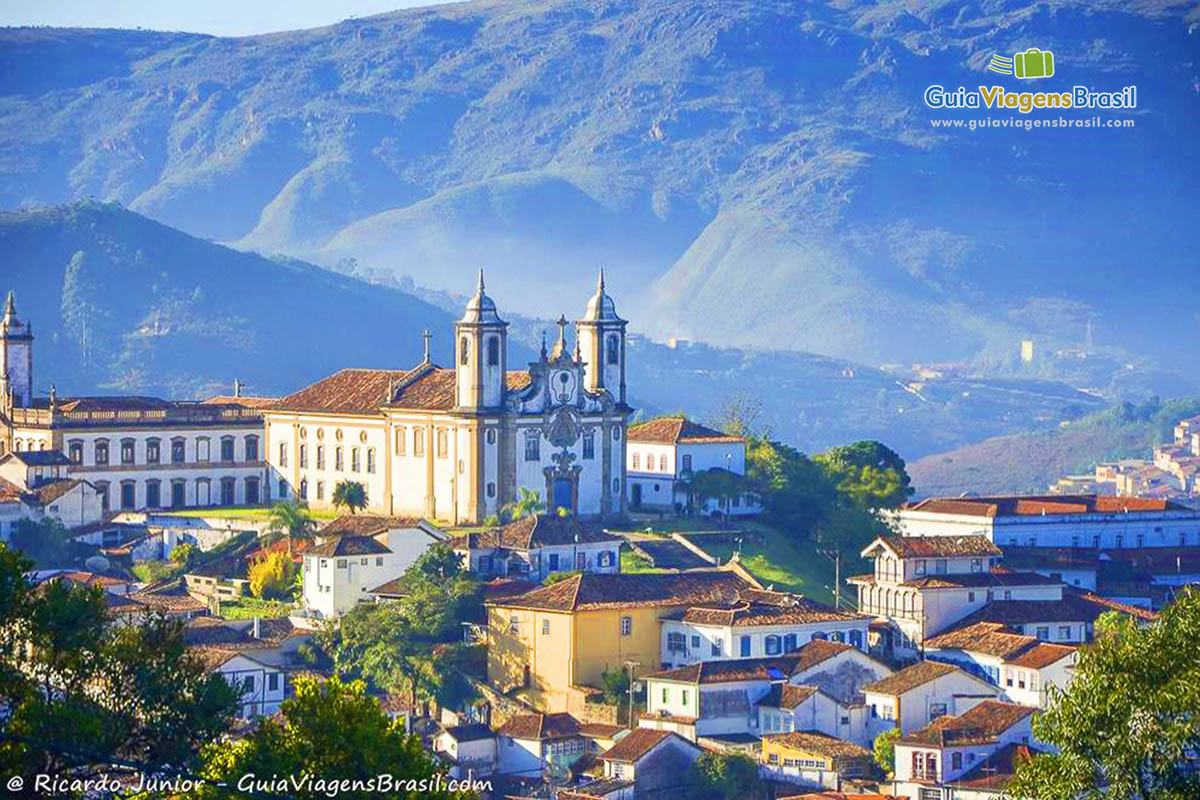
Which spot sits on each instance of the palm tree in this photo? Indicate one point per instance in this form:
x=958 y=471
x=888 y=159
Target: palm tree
x=289 y=520
x=350 y=494
x=528 y=502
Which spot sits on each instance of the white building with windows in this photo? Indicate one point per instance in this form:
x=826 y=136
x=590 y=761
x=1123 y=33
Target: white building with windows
x=1058 y=521
x=138 y=452
x=34 y=485
x=920 y=693
x=537 y=546
x=342 y=571
x=458 y=443
x=760 y=623
x=1024 y=667
x=664 y=456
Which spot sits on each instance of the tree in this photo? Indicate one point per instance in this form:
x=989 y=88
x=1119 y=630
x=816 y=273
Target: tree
x=80 y=693
x=716 y=484
x=528 y=503
x=291 y=521
x=350 y=495
x=185 y=554
x=869 y=473
x=739 y=415
x=885 y=749
x=1128 y=725
x=332 y=731
x=271 y=577
x=793 y=490
x=45 y=541
x=721 y=776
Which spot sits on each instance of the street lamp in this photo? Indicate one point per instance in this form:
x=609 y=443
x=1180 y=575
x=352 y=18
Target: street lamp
x=630 y=666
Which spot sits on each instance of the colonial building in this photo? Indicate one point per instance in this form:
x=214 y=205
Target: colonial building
x=138 y=452
x=458 y=443
x=666 y=454
x=535 y=547
x=1055 y=521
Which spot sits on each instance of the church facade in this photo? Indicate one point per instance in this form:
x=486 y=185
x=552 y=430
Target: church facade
x=458 y=443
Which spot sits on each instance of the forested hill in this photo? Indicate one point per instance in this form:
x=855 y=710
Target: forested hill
x=765 y=172
x=119 y=302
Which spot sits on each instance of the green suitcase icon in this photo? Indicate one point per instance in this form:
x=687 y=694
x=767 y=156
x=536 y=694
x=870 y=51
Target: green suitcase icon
x=1034 y=63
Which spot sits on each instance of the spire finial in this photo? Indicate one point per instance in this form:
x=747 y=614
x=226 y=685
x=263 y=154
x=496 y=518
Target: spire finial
x=479 y=287
x=543 y=344
x=426 y=336
x=600 y=282
x=10 y=305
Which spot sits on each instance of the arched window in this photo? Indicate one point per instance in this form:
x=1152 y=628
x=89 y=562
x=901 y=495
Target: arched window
x=637 y=461
x=370 y=459
x=789 y=642
x=303 y=489
x=772 y=643
x=493 y=351
x=464 y=350
x=251 y=445
x=662 y=463
x=612 y=350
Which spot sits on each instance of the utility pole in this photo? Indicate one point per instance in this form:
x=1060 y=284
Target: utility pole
x=631 y=666
x=836 y=557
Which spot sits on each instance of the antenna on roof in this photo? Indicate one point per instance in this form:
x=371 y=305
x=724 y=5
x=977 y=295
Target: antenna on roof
x=426 y=335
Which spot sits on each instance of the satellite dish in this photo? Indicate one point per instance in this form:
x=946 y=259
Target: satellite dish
x=97 y=564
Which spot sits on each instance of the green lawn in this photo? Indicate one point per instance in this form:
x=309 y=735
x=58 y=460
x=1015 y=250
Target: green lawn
x=249 y=607
x=775 y=558
x=635 y=562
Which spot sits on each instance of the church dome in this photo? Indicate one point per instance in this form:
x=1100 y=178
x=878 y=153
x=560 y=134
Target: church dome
x=481 y=308
x=601 y=307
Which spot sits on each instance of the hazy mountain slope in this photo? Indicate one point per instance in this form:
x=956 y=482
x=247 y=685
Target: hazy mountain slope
x=119 y=302
x=1031 y=462
x=781 y=148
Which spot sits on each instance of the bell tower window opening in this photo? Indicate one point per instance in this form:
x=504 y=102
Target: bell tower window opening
x=493 y=351
x=464 y=350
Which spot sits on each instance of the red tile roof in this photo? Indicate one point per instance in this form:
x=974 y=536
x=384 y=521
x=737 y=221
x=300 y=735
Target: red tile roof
x=631 y=590
x=1037 y=505
x=366 y=525
x=996 y=770
x=244 y=401
x=981 y=725
x=677 y=430
x=539 y=530
x=769 y=668
x=348 y=546
x=828 y=746
x=1042 y=655
x=348 y=390
x=636 y=744
x=938 y=546
x=910 y=678
x=540 y=726
x=787 y=695
x=990 y=638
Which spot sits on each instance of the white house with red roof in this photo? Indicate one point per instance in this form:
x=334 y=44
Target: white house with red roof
x=459 y=442
x=666 y=453
x=920 y=693
x=930 y=761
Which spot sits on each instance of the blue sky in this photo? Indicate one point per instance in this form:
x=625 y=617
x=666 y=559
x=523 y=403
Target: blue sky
x=221 y=17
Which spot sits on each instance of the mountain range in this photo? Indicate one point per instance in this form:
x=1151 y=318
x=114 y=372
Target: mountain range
x=764 y=174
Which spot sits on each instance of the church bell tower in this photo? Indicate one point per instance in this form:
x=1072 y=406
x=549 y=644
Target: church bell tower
x=602 y=344
x=480 y=353
x=16 y=357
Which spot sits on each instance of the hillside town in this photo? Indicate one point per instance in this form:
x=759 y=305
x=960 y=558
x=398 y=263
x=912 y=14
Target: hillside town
x=612 y=625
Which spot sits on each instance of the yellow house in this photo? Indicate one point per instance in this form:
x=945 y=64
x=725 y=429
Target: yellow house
x=821 y=759
x=558 y=640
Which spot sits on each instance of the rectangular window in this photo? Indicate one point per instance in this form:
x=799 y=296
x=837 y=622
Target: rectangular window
x=400 y=440
x=320 y=456
x=127 y=451
x=1043 y=633
x=283 y=454
x=687 y=463
x=443 y=443
x=589 y=445
x=177 y=450
x=533 y=446
x=338 y=462
x=101 y=453
x=514 y=624
x=252 y=448
x=371 y=460
x=75 y=452
x=273 y=682
x=626 y=626
x=545 y=627
x=1064 y=633
x=684 y=696
x=418 y=442
x=227 y=448
x=153 y=451
x=716 y=647
x=355 y=459
x=666 y=695
x=939 y=566
x=744 y=643
x=920 y=568
x=303 y=456
x=976 y=565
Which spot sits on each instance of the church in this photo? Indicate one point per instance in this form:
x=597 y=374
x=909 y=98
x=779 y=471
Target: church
x=459 y=443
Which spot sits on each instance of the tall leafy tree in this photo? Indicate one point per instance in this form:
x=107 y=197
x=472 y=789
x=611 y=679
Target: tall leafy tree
x=81 y=693
x=792 y=488
x=722 y=776
x=868 y=473
x=1128 y=725
x=291 y=521
x=350 y=495
x=332 y=731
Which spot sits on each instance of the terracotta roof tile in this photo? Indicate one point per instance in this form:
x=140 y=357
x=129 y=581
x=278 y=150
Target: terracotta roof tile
x=828 y=746
x=910 y=678
x=540 y=726
x=770 y=668
x=244 y=401
x=348 y=390
x=636 y=744
x=980 y=725
x=787 y=695
x=940 y=546
x=366 y=525
x=1042 y=655
x=643 y=590
x=349 y=545
x=676 y=430
x=756 y=607
x=1036 y=505
x=990 y=638
x=996 y=770
x=540 y=530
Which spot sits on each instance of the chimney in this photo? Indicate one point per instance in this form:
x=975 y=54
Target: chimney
x=257 y=629
x=237 y=388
